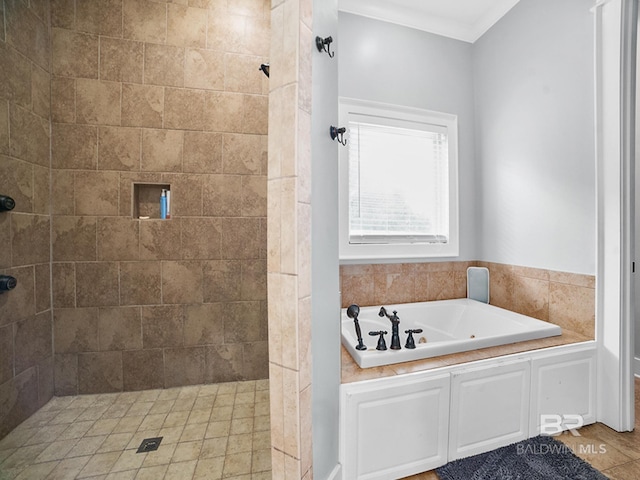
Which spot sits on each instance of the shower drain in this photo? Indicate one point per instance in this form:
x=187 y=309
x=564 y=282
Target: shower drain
x=149 y=445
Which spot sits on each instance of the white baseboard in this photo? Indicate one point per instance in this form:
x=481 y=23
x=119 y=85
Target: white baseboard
x=336 y=474
x=636 y=366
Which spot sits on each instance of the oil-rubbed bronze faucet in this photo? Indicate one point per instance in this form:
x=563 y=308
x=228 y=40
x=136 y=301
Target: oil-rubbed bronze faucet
x=395 y=322
x=352 y=312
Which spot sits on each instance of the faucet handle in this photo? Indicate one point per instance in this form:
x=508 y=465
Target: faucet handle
x=382 y=345
x=411 y=344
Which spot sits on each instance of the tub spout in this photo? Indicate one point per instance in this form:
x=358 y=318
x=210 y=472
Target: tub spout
x=395 y=331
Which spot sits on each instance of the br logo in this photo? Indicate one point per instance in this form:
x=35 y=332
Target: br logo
x=553 y=424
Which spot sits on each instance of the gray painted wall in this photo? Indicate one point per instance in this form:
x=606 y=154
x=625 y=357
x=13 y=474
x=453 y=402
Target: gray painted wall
x=388 y=63
x=325 y=329
x=524 y=97
x=534 y=92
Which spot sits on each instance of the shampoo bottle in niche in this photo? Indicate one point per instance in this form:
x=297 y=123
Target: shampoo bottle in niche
x=163 y=204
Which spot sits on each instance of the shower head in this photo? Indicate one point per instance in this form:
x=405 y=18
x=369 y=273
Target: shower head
x=265 y=69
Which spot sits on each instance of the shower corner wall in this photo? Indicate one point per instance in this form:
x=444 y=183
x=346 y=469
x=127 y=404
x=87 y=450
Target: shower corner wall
x=26 y=352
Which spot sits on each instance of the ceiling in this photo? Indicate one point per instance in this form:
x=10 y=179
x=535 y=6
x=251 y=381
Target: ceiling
x=465 y=20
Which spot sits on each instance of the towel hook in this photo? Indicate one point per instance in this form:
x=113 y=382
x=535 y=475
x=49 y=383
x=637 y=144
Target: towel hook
x=338 y=133
x=324 y=45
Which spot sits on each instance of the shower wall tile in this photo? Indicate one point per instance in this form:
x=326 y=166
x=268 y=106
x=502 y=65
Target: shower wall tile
x=32 y=341
x=21 y=304
x=164 y=65
x=121 y=60
x=97 y=284
x=144 y=21
x=74 y=146
x=141 y=94
x=118 y=238
x=204 y=69
x=143 y=369
x=140 y=283
x=100 y=372
x=119 y=328
x=6 y=353
x=74 y=54
x=119 y=148
x=43 y=287
x=98 y=102
x=63 y=100
x=142 y=105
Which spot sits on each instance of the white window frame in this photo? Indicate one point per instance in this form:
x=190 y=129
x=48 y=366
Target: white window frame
x=362 y=253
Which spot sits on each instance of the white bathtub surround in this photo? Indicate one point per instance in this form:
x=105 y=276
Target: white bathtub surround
x=448 y=326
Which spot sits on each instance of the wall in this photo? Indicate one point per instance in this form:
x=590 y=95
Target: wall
x=26 y=361
x=161 y=93
x=324 y=238
x=562 y=298
x=388 y=63
x=534 y=94
x=289 y=239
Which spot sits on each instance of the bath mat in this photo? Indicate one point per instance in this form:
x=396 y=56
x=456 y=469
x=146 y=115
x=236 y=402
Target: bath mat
x=538 y=458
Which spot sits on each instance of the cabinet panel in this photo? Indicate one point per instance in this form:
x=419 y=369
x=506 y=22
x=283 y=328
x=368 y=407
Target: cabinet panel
x=489 y=408
x=394 y=429
x=563 y=388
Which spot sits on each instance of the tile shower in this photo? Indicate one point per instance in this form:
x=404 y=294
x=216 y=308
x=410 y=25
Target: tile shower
x=94 y=98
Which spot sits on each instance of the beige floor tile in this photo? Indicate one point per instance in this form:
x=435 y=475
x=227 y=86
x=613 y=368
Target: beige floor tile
x=68 y=468
x=38 y=419
x=87 y=446
x=58 y=403
x=261 y=460
x=83 y=401
x=128 y=475
x=214 y=447
x=261 y=423
x=628 y=471
x=23 y=456
x=240 y=443
x=241 y=425
x=190 y=391
x=169 y=394
x=208 y=390
x=209 y=468
x=221 y=413
x=104 y=426
x=170 y=434
x=67 y=415
x=247 y=386
x=115 y=442
x=162 y=456
x=176 y=419
x=76 y=430
x=139 y=408
x=199 y=416
x=245 y=398
x=237 y=464
x=38 y=471
x=227 y=388
x=93 y=413
x=129 y=424
x=152 y=421
x=128 y=460
x=193 y=432
x=149 y=395
x=224 y=400
x=6 y=453
x=181 y=470
x=152 y=473
x=162 y=406
x=261 y=440
x=204 y=402
x=262 y=408
x=17 y=438
x=128 y=397
x=116 y=410
x=99 y=464
x=47 y=434
x=243 y=410
x=218 y=429
x=186 y=451
x=183 y=404
x=56 y=450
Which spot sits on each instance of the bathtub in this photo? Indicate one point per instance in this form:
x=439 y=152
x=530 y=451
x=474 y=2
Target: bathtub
x=448 y=326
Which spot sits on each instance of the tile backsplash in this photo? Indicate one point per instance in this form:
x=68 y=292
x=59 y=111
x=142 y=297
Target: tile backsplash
x=565 y=299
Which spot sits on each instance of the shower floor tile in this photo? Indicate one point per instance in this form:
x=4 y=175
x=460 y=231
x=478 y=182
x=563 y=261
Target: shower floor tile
x=208 y=431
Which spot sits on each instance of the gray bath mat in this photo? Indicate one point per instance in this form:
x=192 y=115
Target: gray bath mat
x=538 y=458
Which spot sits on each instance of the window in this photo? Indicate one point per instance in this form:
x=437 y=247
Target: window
x=398 y=183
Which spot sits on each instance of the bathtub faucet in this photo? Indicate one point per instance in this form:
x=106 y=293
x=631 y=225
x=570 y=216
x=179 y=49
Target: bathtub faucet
x=395 y=322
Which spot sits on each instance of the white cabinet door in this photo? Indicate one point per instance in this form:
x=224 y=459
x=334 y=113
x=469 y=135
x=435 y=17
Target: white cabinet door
x=394 y=427
x=489 y=408
x=563 y=389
